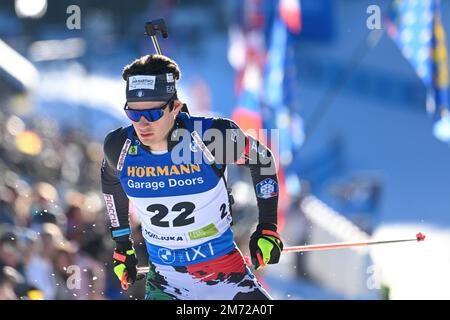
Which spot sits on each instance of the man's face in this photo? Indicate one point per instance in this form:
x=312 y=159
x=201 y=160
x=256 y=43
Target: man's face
x=155 y=132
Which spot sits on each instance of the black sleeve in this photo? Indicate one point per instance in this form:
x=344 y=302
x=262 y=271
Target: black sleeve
x=242 y=149
x=116 y=200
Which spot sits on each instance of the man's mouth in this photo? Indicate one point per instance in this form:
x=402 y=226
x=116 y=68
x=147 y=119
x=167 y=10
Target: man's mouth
x=146 y=134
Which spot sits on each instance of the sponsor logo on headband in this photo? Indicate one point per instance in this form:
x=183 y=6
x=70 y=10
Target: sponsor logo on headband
x=170 y=89
x=141 y=82
x=169 y=77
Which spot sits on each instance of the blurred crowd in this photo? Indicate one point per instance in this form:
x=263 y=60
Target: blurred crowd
x=54 y=236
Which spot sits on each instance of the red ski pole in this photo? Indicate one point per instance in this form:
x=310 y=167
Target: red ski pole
x=343 y=245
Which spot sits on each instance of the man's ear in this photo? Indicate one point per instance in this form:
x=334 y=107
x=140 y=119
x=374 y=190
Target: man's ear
x=177 y=105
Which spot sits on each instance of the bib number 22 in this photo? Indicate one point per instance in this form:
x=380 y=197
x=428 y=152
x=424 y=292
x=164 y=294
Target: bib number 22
x=161 y=211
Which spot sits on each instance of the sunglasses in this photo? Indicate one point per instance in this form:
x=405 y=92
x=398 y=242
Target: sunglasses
x=150 y=114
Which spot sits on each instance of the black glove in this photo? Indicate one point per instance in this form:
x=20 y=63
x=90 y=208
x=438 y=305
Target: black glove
x=125 y=263
x=265 y=245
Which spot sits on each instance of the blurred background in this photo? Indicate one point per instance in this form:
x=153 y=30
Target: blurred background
x=356 y=90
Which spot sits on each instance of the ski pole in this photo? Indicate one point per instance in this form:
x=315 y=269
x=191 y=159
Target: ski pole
x=316 y=247
x=343 y=245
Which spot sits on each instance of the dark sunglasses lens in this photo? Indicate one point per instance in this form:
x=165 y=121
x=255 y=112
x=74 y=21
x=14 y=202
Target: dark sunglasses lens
x=150 y=115
x=133 y=115
x=153 y=115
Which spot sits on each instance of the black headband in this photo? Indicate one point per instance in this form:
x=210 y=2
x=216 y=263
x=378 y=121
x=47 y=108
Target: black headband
x=150 y=87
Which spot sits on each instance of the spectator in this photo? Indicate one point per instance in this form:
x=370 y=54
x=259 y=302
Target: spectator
x=40 y=270
x=6 y=285
x=9 y=249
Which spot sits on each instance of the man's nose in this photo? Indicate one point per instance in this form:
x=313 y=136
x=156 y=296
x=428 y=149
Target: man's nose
x=143 y=122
